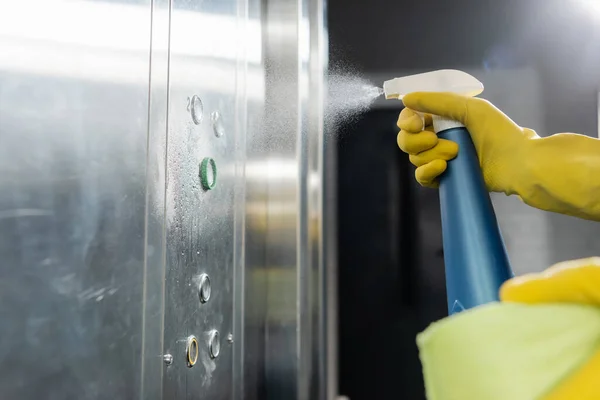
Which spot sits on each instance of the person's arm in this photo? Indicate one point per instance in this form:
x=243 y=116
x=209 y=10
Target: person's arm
x=563 y=175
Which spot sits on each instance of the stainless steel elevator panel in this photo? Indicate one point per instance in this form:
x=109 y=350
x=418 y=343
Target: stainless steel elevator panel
x=200 y=224
x=73 y=134
x=108 y=228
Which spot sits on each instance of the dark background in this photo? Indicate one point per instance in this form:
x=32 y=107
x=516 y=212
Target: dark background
x=389 y=231
x=391 y=277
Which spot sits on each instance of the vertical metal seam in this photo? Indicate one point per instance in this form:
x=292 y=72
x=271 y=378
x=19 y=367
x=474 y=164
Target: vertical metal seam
x=302 y=266
x=328 y=226
x=239 y=239
x=318 y=71
x=146 y=210
x=168 y=105
x=144 y=354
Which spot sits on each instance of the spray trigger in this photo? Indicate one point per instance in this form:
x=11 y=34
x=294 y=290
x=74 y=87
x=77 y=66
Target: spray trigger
x=445 y=80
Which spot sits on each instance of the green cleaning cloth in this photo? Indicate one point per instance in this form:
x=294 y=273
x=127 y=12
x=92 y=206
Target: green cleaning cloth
x=506 y=351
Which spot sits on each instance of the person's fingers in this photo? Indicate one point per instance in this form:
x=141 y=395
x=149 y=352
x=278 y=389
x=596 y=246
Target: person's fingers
x=444 y=150
x=412 y=122
x=569 y=282
x=449 y=105
x=414 y=143
x=427 y=174
x=583 y=384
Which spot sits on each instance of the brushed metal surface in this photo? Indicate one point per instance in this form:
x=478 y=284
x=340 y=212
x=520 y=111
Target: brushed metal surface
x=286 y=252
x=106 y=228
x=296 y=268
x=154 y=271
x=200 y=222
x=73 y=137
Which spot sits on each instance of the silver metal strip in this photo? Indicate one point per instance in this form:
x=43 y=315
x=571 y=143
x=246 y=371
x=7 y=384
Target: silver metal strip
x=154 y=262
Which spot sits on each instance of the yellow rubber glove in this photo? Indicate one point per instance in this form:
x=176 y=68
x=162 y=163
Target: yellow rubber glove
x=569 y=282
x=557 y=173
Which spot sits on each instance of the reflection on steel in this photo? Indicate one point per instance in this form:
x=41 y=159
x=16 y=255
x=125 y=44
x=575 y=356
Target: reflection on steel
x=298 y=318
x=153 y=293
x=105 y=219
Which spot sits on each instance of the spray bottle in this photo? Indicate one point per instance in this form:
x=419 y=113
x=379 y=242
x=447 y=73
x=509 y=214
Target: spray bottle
x=474 y=253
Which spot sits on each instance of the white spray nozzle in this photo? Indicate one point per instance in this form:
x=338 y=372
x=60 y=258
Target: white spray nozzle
x=445 y=80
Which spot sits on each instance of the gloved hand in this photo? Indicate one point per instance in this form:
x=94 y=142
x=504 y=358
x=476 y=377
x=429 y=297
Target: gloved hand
x=557 y=173
x=569 y=282
x=498 y=140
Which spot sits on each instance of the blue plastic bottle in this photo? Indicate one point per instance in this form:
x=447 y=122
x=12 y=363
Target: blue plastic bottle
x=474 y=254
